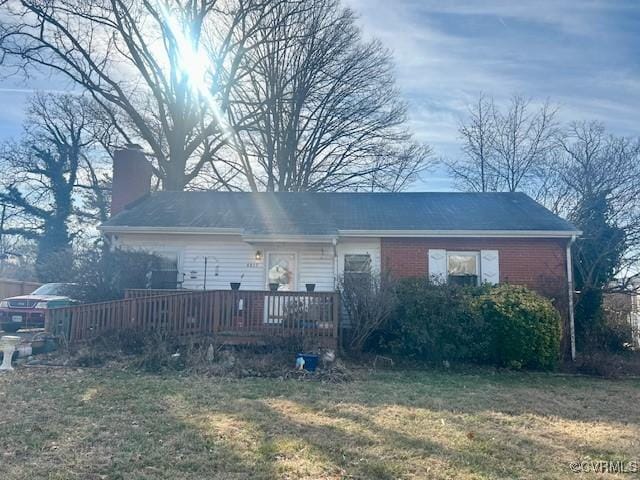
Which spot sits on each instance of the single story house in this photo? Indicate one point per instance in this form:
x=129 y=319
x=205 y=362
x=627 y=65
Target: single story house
x=210 y=239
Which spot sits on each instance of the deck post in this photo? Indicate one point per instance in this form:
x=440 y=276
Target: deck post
x=216 y=311
x=336 y=318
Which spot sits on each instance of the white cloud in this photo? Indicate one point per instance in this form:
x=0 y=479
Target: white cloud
x=581 y=54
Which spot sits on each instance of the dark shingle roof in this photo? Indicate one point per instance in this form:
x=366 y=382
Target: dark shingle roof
x=326 y=213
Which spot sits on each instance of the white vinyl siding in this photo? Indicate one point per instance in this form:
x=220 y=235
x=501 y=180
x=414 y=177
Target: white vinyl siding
x=315 y=265
x=360 y=246
x=227 y=262
x=229 y=257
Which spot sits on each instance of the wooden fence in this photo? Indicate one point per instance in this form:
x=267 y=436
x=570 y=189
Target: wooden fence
x=13 y=288
x=153 y=292
x=235 y=317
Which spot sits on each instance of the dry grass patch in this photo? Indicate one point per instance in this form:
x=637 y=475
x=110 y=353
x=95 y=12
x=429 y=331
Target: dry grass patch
x=94 y=424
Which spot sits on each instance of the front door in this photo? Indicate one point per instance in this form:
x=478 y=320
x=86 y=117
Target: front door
x=281 y=269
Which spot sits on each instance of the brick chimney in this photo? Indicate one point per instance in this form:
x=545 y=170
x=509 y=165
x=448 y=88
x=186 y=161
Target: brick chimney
x=131 y=177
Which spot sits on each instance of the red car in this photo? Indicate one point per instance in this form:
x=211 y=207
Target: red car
x=27 y=311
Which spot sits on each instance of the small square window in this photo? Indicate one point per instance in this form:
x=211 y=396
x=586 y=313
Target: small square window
x=357 y=263
x=463 y=268
x=357 y=268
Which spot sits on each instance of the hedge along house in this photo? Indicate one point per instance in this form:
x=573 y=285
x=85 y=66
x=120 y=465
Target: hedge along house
x=213 y=239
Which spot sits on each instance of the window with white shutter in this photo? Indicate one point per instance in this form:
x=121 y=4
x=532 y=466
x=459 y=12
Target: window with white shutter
x=438 y=265
x=463 y=268
x=490 y=266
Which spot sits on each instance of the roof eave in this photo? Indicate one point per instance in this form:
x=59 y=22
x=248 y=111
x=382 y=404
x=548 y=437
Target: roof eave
x=249 y=238
x=256 y=238
x=462 y=233
x=169 y=230
x=289 y=238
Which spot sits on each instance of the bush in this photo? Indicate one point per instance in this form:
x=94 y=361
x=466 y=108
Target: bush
x=617 y=334
x=436 y=322
x=611 y=331
x=608 y=365
x=53 y=266
x=369 y=302
x=105 y=274
x=523 y=327
x=503 y=325
x=150 y=351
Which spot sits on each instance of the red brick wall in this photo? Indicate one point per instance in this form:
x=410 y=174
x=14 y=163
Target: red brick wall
x=131 y=178
x=538 y=263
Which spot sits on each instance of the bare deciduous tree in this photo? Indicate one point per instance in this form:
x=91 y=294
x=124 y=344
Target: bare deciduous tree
x=506 y=150
x=265 y=95
x=477 y=171
x=402 y=167
x=524 y=141
x=328 y=115
x=44 y=172
x=163 y=70
x=594 y=167
x=369 y=301
x=94 y=177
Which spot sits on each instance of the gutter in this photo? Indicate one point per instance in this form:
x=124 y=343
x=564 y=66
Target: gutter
x=170 y=230
x=289 y=238
x=344 y=233
x=572 y=324
x=461 y=233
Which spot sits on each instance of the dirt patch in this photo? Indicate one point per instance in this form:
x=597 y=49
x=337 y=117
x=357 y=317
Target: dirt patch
x=155 y=355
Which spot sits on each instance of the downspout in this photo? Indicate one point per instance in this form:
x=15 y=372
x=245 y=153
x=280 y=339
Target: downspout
x=335 y=289
x=335 y=264
x=572 y=325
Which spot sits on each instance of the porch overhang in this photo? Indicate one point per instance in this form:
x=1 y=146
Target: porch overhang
x=248 y=238
x=254 y=239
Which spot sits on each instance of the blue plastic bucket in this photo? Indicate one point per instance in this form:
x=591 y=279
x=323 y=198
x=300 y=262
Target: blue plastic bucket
x=310 y=361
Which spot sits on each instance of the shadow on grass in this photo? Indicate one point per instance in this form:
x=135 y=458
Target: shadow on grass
x=495 y=427
x=105 y=424
x=283 y=446
x=91 y=429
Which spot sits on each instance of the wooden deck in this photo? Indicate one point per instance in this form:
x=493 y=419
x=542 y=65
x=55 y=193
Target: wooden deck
x=237 y=317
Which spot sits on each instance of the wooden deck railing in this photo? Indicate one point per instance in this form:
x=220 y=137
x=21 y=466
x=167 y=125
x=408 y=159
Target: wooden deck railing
x=234 y=316
x=153 y=292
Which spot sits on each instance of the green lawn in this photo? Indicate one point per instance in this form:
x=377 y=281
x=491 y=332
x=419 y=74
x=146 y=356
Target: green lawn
x=112 y=424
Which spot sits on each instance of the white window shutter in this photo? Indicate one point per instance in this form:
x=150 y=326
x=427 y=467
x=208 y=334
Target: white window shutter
x=438 y=265
x=490 y=266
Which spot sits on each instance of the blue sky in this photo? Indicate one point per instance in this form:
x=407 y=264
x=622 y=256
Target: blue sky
x=582 y=54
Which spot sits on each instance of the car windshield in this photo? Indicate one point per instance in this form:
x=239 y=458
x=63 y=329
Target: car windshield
x=63 y=289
